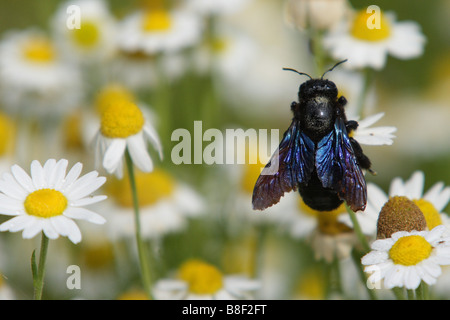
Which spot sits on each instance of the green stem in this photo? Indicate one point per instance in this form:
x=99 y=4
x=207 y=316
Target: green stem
x=143 y=255
x=398 y=292
x=362 y=238
x=422 y=291
x=38 y=277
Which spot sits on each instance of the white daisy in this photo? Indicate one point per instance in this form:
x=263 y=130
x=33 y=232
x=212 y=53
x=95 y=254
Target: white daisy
x=34 y=80
x=166 y=205
x=124 y=127
x=407 y=258
x=157 y=30
x=431 y=203
x=49 y=199
x=363 y=47
x=198 y=280
x=95 y=37
x=365 y=134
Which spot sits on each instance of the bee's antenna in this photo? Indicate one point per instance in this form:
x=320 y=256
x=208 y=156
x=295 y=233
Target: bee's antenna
x=301 y=73
x=333 y=67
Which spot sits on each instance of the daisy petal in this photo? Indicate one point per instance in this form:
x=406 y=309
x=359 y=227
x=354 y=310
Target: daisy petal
x=16 y=224
x=37 y=175
x=139 y=154
x=114 y=154
x=86 y=188
x=33 y=229
x=10 y=187
x=84 y=214
x=87 y=201
x=49 y=230
x=22 y=178
x=72 y=176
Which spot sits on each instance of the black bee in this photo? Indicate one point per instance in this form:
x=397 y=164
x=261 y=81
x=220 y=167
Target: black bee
x=316 y=155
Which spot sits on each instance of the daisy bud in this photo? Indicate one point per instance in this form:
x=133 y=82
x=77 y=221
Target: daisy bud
x=399 y=214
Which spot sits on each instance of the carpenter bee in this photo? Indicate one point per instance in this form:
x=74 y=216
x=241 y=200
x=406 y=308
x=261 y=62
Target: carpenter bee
x=316 y=155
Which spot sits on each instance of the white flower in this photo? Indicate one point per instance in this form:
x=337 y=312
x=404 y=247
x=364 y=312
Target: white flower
x=49 y=199
x=95 y=37
x=365 y=134
x=407 y=258
x=217 y=7
x=363 y=47
x=123 y=128
x=198 y=280
x=431 y=203
x=165 y=206
x=157 y=30
x=35 y=81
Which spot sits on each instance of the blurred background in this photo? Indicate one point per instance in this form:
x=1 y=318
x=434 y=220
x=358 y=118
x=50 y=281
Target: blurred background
x=225 y=69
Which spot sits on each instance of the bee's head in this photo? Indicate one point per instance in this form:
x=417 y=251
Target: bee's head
x=316 y=87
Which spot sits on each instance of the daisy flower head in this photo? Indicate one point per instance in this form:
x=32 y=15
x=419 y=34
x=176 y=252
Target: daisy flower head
x=157 y=29
x=369 y=36
x=166 y=205
x=407 y=258
x=94 y=38
x=199 y=280
x=124 y=128
x=49 y=199
x=35 y=81
x=431 y=203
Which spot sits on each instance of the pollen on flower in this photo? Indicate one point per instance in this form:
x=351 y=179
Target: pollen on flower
x=111 y=94
x=410 y=250
x=151 y=188
x=45 y=203
x=39 y=50
x=87 y=35
x=121 y=119
x=360 y=28
x=399 y=214
x=432 y=216
x=201 y=277
x=156 y=20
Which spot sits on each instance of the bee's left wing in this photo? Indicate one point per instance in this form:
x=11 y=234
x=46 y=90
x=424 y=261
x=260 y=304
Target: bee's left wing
x=290 y=165
x=338 y=168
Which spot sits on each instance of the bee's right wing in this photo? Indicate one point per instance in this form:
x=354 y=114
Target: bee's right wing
x=290 y=165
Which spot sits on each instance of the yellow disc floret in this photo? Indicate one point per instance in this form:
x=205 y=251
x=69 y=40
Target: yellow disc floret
x=110 y=94
x=87 y=35
x=432 y=216
x=156 y=20
x=201 y=277
x=410 y=250
x=151 y=188
x=121 y=120
x=39 y=50
x=45 y=203
x=370 y=26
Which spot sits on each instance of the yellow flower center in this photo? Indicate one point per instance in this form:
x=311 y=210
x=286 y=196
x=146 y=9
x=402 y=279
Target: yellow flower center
x=312 y=285
x=201 y=277
x=121 y=119
x=156 y=20
x=45 y=203
x=250 y=175
x=327 y=221
x=7 y=129
x=133 y=295
x=87 y=35
x=432 y=216
x=151 y=188
x=97 y=256
x=370 y=26
x=110 y=94
x=219 y=45
x=39 y=50
x=410 y=250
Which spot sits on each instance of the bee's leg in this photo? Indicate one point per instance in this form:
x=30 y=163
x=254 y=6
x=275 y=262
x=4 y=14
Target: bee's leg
x=363 y=161
x=351 y=125
x=342 y=101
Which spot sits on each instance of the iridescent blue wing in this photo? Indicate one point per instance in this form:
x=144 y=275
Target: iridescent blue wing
x=338 y=169
x=290 y=165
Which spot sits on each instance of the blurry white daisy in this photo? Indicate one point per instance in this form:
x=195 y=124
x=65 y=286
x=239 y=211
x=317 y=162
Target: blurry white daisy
x=165 y=205
x=95 y=37
x=407 y=258
x=124 y=128
x=157 y=30
x=431 y=203
x=34 y=80
x=198 y=280
x=49 y=199
x=352 y=39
